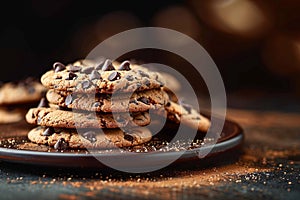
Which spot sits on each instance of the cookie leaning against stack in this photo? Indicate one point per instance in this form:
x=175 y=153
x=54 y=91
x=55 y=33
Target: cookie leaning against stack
x=16 y=97
x=80 y=97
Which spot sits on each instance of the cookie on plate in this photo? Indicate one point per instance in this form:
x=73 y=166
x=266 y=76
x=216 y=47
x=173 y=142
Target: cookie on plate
x=16 y=97
x=135 y=102
x=68 y=119
x=21 y=92
x=107 y=138
x=183 y=113
x=11 y=115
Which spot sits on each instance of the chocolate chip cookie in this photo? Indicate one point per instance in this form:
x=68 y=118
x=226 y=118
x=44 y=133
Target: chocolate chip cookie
x=138 y=101
x=21 y=92
x=68 y=119
x=11 y=115
x=101 y=77
x=107 y=138
x=184 y=113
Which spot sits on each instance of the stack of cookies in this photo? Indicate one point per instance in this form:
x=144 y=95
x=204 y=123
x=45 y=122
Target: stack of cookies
x=16 y=97
x=103 y=104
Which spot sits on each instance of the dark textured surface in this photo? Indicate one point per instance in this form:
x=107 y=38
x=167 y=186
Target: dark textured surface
x=267 y=168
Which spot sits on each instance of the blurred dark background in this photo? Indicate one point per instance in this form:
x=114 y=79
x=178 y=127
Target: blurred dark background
x=255 y=44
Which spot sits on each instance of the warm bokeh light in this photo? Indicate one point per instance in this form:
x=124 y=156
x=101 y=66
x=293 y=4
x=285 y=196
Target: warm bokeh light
x=178 y=18
x=281 y=54
x=243 y=18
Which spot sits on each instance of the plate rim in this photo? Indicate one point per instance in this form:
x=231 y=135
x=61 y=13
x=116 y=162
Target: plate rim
x=31 y=157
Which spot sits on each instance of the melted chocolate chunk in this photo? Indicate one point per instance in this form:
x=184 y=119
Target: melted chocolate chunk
x=107 y=66
x=87 y=70
x=95 y=75
x=85 y=84
x=61 y=144
x=90 y=136
x=125 y=66
x=71 y=76
x=128 y=137
x=74 y=68
x=43 y=103
x=114 y=76
x=144 y=100
x=49 y=131
x=168 y=104
x=68 y=100
x=57 y=67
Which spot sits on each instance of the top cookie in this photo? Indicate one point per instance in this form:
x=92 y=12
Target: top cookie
x=21 y=92
x=101 y=77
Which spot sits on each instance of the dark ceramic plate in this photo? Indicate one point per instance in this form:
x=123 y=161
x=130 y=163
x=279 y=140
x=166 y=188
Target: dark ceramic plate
x=14 y=148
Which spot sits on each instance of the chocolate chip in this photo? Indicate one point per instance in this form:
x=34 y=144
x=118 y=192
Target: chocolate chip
x=134 y=114
x=85 y=84
x=125 y=66
x=43 y=103
x=68 y=100
x=90 y=136
x=128 y=137
x=95 y=75
x=100 y=64
x=121 y=120
x=143 y=73
x=129 y=77
x=168 y=104
x=197 y=118
x=138 y=86
x=147 y=83
x=61 y=144
x=107 y=66
x=87 y=70
x=74 y=68
x=96 y=104
x=49 y=131
x=144 y=100
x=31 y=89
x=187 y=107
x=103 y=123
x=114 y=76
x=71 y=76
x=57 y=66
x=161 y=84
x=134 y=101
x=39 y=119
